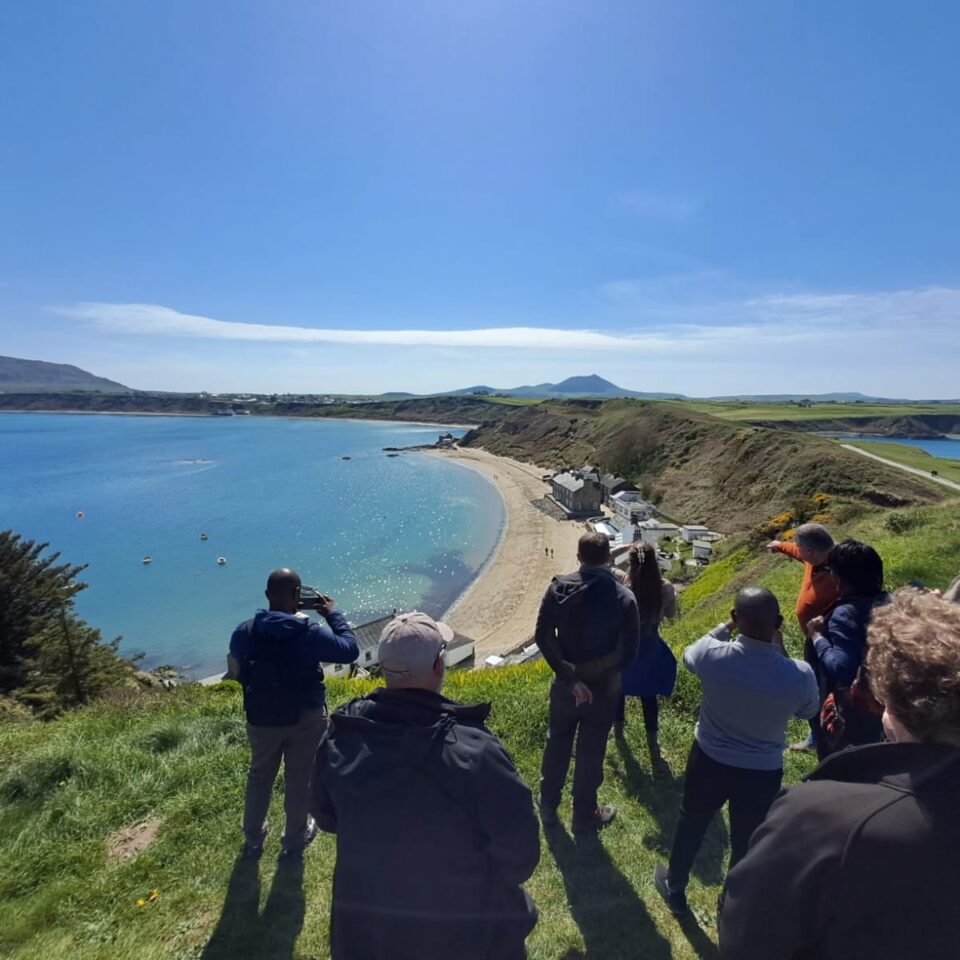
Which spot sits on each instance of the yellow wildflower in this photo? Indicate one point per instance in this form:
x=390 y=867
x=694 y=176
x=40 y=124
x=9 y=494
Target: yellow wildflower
x=154 y=894
x=141 y=902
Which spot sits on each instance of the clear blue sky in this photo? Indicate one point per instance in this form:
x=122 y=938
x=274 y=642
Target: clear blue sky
x=423 y=195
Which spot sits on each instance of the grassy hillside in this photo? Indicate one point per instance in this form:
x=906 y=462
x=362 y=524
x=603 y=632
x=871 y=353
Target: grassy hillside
x=175 y=761
x=733 y=410
x=729 y=475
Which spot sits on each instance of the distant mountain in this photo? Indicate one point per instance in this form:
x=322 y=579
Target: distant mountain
x=38 y=376
x=591 y=386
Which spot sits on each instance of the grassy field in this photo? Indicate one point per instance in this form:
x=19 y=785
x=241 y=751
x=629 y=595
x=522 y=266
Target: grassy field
x=177 y=761
x=911 y=457
x=735 y=410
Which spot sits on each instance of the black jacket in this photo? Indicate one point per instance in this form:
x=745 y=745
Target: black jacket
x=435 y=831
x=588 y=627
x=863 y=860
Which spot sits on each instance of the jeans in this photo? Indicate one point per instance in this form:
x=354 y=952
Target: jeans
x=297 y=746
x=707 y=786
x=651 y=712
x=590 y=725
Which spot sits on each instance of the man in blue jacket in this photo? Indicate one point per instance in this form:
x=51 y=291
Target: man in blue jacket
x=277 y=656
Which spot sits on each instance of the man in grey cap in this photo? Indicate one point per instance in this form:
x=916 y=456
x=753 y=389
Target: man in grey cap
x=435 y=829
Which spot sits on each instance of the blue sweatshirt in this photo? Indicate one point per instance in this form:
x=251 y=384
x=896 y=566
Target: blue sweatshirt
x=315 y=643
x=750 y=690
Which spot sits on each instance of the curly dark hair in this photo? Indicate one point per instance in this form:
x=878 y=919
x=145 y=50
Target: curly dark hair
x=914 y=662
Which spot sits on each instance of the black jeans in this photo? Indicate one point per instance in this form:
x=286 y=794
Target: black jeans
x=651 y=712
x=707 y=786
x=590 y=724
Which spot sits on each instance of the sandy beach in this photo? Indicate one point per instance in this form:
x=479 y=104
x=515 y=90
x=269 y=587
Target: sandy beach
x=499 y=610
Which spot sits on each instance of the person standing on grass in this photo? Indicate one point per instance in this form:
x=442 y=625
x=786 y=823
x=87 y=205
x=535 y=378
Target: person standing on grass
x=435 y=829
x=657 y=676
x=588 y=631
x=277 y=656
x=750 y=691
x=862 y=859
x=811 y=545
x=851 y=715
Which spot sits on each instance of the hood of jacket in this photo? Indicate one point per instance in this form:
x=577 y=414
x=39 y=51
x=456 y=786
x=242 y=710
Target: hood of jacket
x=279 y=626
x=396 y=729
x=583 y=586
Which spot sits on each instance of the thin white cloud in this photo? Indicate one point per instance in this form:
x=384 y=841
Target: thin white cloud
x=155 y=320
x=660 y=206
x=887 y=326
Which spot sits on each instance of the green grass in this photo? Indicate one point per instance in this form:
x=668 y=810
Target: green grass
x=911 y=457
x=736 y=410
x=180 y=757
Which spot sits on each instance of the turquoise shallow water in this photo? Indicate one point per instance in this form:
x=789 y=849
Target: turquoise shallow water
x=375 y=532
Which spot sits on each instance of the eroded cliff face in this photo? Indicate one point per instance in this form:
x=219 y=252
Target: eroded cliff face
x=699 y=468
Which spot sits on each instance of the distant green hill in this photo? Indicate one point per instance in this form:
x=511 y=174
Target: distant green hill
x=36 y=376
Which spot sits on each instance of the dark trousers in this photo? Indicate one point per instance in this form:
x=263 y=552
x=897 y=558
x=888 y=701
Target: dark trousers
x=589 y=724
x=651 y=712
x=707 y=786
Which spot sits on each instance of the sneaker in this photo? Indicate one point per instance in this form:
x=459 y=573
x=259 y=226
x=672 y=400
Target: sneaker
x=601 y=817
x=252 y=851
x=676 y=900
x=306 y=838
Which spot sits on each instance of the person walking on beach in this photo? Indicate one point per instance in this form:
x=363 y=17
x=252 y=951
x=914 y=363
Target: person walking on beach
x=861 y=859
x=656 y=676
x=588 y=630
x=435 y=829
x=277 y=656
x=811 y=546
x=750 y=690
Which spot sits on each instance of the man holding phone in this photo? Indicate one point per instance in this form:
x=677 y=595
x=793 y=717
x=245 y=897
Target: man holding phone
x=278 y=657
x=750 y=691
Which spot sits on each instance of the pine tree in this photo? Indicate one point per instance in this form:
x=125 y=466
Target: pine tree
x=48 y=656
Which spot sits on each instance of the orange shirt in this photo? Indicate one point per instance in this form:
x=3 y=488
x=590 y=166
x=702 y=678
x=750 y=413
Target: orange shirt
x=818 y=592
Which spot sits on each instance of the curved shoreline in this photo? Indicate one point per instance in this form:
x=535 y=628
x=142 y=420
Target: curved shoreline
x=498 y=611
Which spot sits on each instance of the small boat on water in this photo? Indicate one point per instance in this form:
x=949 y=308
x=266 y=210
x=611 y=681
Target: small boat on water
x=222 y=561
x=345 y=458
x=147 y=560
x=393 y=454
x=203 y=536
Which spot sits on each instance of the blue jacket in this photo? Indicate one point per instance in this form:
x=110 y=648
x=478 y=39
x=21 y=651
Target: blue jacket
x=314 y=642
x=842 y=647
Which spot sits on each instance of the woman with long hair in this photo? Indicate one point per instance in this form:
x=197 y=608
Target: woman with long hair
x=653 y=676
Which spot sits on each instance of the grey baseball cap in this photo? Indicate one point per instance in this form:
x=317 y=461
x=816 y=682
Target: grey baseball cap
x=410 y=645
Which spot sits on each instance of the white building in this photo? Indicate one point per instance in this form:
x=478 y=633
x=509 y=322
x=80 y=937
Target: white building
x=629 y=508
x=692 y=532
x=702 y=550
x=653 y=531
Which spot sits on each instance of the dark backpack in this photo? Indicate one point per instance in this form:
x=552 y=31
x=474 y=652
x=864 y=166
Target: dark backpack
x=275 y=685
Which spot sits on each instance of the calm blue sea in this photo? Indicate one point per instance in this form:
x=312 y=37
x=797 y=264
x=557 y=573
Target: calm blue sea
x=948 y=449
x=374 y=532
